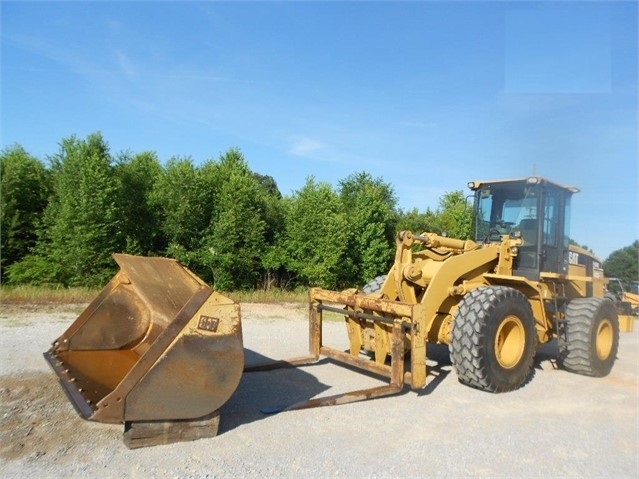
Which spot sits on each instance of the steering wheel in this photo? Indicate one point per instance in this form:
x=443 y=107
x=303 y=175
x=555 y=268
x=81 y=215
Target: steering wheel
x=504 y=224
x=493 y=235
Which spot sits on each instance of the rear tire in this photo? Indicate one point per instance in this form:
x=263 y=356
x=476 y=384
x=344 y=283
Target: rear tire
x=494 y=339
x=589 y=345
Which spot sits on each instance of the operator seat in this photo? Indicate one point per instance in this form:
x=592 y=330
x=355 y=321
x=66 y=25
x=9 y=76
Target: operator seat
x=528 y=251
x=528 y=228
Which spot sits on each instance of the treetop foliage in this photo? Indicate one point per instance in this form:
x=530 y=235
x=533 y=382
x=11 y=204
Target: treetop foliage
x=24 y=191
x=61 y=222
x=624 y=264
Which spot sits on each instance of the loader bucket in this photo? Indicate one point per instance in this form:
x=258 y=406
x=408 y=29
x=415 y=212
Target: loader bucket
x=157 y=344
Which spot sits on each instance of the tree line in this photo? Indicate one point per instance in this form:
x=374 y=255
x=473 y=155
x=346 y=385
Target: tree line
x=61 y=220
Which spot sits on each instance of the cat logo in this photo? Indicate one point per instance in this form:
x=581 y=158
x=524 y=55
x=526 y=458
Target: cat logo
x=573 y=258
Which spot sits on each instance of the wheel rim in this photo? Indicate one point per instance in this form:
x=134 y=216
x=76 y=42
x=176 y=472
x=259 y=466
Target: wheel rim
x=510 y=342
x=604 y=339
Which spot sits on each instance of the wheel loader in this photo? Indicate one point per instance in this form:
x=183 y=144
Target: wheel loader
x=159 y=351
x=627 y=303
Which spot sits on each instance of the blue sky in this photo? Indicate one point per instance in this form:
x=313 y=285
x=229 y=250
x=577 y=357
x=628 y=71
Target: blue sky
x=426 y=95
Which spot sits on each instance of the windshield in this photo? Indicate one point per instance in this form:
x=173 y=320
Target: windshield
x=503 y=209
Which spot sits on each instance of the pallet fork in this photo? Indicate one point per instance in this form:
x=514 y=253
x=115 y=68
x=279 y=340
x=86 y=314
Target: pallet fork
x=406 y=323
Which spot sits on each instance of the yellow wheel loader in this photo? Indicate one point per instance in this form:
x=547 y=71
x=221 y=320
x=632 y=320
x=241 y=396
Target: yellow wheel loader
x=159 y=351
x=627 y=303
x=493 y=300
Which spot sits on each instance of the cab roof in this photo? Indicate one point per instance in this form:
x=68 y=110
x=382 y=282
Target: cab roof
x=530 y=180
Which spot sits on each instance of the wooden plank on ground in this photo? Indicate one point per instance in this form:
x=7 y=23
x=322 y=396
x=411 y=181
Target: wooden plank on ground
x=154 y=433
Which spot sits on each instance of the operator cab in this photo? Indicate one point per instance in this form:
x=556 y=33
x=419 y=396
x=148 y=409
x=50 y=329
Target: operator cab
x=534 y=209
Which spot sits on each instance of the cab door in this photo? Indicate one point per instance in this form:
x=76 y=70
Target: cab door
x=554 y=237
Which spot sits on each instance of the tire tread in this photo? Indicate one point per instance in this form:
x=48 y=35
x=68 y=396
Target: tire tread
x=577 y=351
x=468 y=347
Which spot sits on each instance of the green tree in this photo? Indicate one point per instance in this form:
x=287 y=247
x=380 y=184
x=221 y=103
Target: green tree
x=269 y=185
x=370 y=206
x=624 y=264
x=273 y=274
x=140 y=218
x=314 y=243
x=454 y=216
x=24 y=191
x=275 y=259
x=184 y=203
x=235 y=240
x=81 y=222
x=413 y=220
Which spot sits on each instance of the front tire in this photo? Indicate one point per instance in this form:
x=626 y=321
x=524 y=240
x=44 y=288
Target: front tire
x=494 y=339
x=591 y=340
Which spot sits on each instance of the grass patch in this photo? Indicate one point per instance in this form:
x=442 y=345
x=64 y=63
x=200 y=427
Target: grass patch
x=271 y=296
x=40 y=295
x=331 y=316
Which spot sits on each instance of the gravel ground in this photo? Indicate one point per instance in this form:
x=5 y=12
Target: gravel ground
x=558 y=425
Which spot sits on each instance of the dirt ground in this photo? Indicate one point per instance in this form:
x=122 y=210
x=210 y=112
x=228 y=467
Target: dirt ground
x=557 y=425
